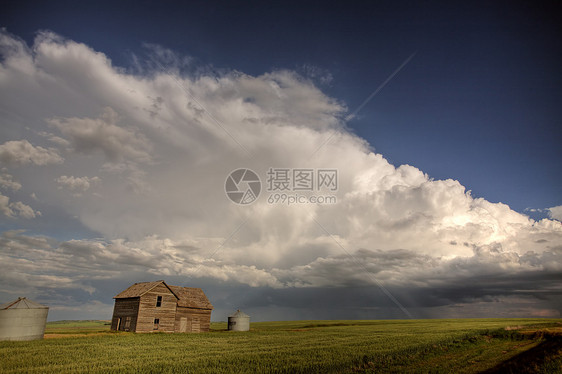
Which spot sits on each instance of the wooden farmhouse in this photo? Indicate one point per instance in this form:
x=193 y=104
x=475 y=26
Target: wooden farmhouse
x=157 y=306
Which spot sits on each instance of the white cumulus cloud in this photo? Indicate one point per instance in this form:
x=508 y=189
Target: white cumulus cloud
x=77 y=184
x=7 y=182
x=22 y=152
x=555 y=212
x=16 y=209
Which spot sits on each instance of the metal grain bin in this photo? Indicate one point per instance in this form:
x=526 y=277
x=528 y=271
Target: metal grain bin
x=239 y=321
x=22 y=319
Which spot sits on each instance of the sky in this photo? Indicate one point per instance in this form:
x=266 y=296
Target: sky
x=407 y=155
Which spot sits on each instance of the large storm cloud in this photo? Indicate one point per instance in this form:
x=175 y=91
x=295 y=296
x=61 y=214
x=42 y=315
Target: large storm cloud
x=130 y=167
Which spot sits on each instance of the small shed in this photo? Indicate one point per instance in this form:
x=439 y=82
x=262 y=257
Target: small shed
x=22 y=319
x=239 y=321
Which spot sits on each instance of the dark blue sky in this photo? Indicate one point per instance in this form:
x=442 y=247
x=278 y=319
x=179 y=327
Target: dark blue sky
x=480 y=101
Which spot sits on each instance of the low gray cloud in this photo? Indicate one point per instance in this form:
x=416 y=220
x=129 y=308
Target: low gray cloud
x=426 y=286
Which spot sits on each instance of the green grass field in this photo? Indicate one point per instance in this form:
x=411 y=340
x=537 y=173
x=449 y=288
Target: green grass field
x=461 y=346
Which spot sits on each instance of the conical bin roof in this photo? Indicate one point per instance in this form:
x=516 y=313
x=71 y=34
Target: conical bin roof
x=240 y=314
x=23 y=303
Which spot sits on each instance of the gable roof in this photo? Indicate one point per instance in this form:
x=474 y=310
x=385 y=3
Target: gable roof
x=139 y=289
x=191 y=297
x=187 y=296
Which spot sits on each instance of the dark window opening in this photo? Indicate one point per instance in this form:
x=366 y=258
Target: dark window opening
x=159 y=301
x=156 y=323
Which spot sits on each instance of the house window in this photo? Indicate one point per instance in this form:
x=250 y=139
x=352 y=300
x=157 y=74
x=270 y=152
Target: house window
x=159 y=301
x=156 y=323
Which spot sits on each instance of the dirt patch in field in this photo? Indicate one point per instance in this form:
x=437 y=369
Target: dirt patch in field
x=58 y=336
x=555 y=331
x=509 y=328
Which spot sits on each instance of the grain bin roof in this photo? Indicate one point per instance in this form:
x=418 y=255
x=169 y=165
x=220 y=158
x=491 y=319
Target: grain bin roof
x=240 y=314
x=23 y=303
x=188 y=297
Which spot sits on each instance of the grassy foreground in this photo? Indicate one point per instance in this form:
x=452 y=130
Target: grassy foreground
x=461 y=346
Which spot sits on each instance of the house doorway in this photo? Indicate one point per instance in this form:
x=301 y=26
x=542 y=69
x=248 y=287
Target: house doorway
x=184 y=324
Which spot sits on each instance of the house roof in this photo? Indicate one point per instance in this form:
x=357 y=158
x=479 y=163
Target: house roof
x=191 y=297
x=139 y=289
x=187 y=296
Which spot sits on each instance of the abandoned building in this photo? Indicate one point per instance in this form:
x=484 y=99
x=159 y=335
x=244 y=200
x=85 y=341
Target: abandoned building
x=157 y=306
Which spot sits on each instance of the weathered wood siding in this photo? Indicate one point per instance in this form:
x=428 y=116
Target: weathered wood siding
x=125 y=314
x=192 y=320
x=148 y=311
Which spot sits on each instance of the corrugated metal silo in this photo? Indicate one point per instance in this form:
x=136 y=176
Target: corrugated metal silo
x=239 y=321
x=22 y=319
